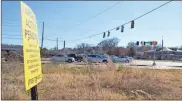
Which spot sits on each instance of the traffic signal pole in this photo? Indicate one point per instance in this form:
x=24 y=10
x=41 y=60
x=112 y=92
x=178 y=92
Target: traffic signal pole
x=162 y=49
x=154 y=56
x=42 y=35
x=57 y=43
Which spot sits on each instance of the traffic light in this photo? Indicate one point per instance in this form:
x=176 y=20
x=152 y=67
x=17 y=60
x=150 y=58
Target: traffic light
x=142 y=43
x=108 y=34
x=137 y=43
x=122 y=28
x=132 y=24
x=117 y=28
x=104 y=35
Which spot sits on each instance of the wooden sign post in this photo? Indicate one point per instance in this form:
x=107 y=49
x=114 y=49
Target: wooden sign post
x=34 y=93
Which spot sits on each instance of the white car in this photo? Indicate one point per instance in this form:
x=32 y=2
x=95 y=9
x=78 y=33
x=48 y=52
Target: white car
x=119 y=59
x=129 y=58
x=180 y=59
x=63 y=58
x=97 y=58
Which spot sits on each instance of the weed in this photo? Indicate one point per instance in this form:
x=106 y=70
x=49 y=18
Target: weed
x=93 y=82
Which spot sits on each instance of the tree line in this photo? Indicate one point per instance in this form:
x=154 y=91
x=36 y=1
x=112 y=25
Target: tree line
x=107 y=46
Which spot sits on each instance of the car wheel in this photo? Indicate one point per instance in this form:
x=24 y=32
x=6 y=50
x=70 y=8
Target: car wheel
x=79 y=60
x=127 y=61
x=105 y=61
x=69 y=61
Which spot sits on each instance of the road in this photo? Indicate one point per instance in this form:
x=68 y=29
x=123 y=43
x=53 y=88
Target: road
x=142 y=64
x=159 y=64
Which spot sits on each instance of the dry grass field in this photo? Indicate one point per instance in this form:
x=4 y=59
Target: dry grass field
x=93 y=82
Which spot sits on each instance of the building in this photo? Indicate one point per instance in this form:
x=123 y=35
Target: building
x=166 y=54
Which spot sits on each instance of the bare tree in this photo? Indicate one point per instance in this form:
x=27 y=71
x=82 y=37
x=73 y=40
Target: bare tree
x=131 y=44
x=132 y=48
x=132 y=51
x=108 y=44
x=83 y=47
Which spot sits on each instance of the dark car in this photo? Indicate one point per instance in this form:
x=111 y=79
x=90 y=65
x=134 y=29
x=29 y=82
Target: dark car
x=76 y=57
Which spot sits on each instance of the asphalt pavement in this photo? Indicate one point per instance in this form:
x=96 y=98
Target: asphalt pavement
x=141 y=64
x=158 y=63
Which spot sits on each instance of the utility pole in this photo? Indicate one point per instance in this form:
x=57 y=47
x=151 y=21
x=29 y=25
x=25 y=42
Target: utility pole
x=57 y=43
x=64 y=44
x=162 y=48
x=42 y=35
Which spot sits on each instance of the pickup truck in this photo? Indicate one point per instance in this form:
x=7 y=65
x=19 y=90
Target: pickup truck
x=76 y=57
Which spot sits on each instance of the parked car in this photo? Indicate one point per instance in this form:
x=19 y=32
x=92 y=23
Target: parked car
x=76 y=57
x=129 y=58
x=119 y=59
x=97 y=58
x=180 y=59
x=63 y=58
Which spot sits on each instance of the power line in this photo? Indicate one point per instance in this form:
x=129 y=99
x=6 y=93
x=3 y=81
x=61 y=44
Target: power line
x=54 y=40
x=50 y=40
x=10 y=23
x=95 y=15
x=117 y=26
x=126 y=22
x=21 y=39
x=16 y=21
x=12 y=38
x=20 y=36
x=80 y=23
x=10 y=35
x=83 y=21
x=14 y=26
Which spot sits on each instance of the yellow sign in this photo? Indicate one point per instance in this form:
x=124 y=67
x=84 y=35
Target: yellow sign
x=31 y=49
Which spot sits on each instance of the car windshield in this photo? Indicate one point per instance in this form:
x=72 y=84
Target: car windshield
x=121 y=57
x=114 y=57
x=70 y=55
x=59 y=55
